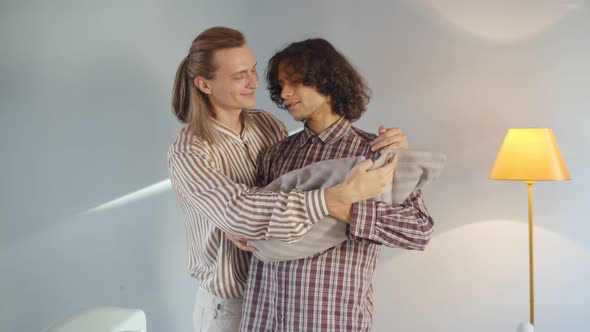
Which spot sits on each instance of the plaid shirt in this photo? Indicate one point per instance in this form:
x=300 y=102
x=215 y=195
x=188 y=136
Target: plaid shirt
x=331 y=291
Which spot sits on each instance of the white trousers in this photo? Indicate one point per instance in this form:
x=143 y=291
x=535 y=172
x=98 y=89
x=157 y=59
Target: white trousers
x=215 y=314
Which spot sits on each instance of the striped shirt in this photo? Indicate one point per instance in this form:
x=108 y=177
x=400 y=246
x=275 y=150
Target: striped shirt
x=331 y=291
x=212 y=183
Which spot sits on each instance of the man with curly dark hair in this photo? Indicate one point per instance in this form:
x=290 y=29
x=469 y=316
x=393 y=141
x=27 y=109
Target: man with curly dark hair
x=316 y=63
x=331 y=291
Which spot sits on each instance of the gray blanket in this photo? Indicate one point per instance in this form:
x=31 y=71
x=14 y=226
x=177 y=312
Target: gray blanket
x=414 y=170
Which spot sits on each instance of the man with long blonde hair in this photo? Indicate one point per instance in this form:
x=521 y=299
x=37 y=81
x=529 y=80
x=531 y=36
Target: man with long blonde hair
x=212 y=165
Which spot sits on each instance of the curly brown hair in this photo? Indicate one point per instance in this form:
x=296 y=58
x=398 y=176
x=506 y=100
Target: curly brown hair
x=316 y=63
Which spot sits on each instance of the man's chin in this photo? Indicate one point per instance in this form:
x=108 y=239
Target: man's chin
x=299 y=117
x=294 y=115
x=248 y=102
x=249 y=105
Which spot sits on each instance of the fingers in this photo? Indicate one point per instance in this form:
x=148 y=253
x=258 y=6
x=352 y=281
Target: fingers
x=390 y=143
x=393 y=161
x=240 y=242
x=363 y=166
x=390 y=139
x=244 y=246
x=388 y=168
x=386 y=133
x=363 y=183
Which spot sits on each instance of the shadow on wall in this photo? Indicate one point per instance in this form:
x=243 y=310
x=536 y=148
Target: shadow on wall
x=476 y=278
x=143 y=193
x=503 y=21
x=133 y=256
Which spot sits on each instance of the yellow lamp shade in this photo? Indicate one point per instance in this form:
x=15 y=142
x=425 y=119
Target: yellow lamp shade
x=529 y=154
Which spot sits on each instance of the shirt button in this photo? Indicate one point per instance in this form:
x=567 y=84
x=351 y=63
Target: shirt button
x=279 y=316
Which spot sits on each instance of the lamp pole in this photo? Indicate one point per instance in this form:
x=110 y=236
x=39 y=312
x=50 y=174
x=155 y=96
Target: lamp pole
x=531 y=258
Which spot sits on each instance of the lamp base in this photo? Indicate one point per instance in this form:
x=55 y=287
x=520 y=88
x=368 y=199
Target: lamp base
x=525 y=327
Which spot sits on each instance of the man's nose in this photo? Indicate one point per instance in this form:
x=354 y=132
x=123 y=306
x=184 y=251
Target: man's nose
x=253 y=80
x=286 y=92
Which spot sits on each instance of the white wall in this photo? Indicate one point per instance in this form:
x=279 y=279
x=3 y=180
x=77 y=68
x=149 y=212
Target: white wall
x=85 y=119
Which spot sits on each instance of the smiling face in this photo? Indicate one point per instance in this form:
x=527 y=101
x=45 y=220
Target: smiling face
x=303 y=102
x=234 y=84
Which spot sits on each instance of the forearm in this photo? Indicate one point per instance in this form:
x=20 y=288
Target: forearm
x=338 y=204
x=242 y=211
x=406 y=226
x=286 y=216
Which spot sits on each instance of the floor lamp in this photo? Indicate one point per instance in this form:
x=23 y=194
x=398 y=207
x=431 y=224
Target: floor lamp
x=530 y=155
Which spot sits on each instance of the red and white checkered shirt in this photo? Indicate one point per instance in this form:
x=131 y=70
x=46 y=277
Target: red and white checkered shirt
x=331 y=291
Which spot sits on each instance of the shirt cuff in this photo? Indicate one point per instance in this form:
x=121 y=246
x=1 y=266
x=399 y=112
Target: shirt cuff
x=316 y=205
x=363 y=218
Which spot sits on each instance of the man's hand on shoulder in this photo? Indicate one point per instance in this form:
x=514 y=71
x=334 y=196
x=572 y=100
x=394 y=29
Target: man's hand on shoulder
x=389 y=139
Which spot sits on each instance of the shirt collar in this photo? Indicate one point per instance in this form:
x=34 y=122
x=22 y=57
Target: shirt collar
x=228 y=132
x=331 y=135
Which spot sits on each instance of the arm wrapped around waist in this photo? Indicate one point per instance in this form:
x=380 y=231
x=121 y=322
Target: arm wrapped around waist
x=414 y=170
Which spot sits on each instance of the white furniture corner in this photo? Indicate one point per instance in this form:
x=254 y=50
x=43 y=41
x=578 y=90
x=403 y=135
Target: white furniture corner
x=103 y=319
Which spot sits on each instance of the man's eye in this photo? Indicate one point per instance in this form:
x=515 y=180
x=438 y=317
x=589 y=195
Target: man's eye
x=239 y=76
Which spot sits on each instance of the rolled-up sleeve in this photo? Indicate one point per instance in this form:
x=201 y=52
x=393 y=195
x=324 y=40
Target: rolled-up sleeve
x=407 y=226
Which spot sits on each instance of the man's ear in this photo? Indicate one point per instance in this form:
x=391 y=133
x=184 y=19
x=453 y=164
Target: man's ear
x=202 y=84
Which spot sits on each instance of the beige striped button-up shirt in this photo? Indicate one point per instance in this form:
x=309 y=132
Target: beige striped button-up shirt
x=213 y=184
